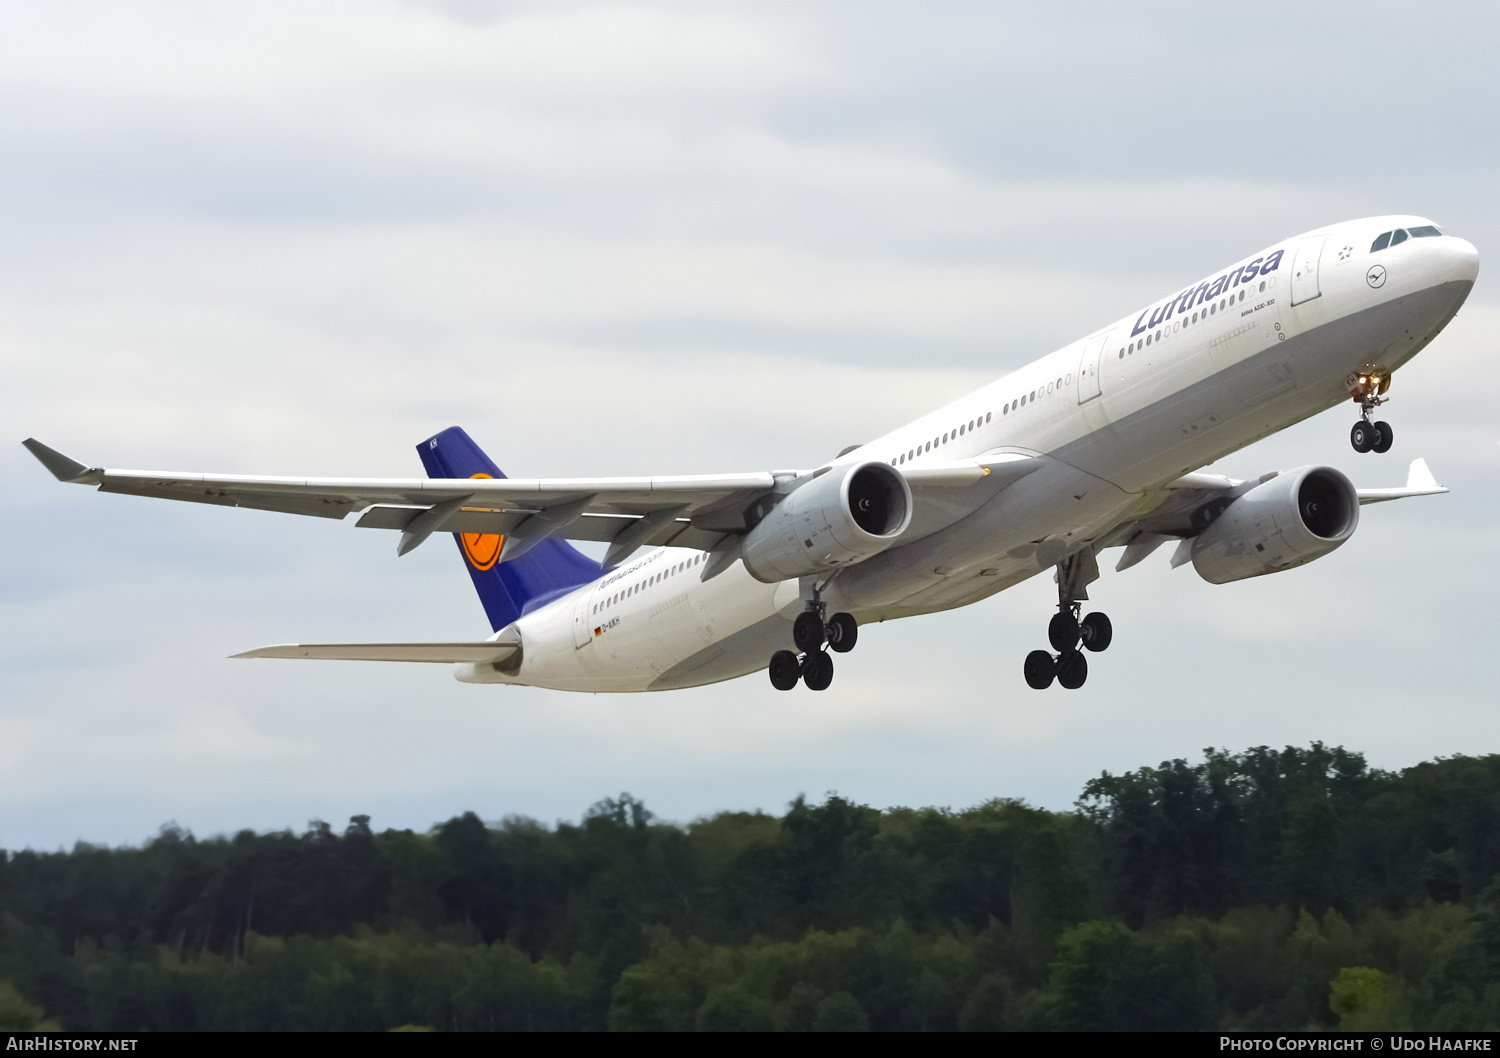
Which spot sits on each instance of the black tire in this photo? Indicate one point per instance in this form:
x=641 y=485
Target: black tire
x=807 y=632
x=817 y=671
x=1040 y=669
x=785 y=670
x=1072 y=670
x=1362 y=436
x=843 y=632
x=1097 y=632
x=1387 y=435
x=1062 y=632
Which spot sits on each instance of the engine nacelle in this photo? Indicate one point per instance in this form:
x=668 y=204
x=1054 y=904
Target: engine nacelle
x=1297 y=516
x=845 y=516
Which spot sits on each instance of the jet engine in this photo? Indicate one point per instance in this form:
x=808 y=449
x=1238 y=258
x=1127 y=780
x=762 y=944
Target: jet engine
x=841 y=517
x=1293 y=518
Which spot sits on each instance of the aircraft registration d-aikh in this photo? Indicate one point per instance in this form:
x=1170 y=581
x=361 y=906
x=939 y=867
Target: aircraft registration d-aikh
x=1097 y=445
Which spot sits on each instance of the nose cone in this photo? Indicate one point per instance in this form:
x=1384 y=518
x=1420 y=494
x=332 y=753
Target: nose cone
x=1461 y=259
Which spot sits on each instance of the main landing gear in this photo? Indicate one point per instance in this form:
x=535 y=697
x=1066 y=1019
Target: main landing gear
x=1067 y=633
x=1367 y=436
x=811 y=663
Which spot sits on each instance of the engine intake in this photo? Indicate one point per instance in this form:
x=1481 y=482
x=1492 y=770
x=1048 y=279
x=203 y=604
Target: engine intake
x=1297 y=516
x=845 y=516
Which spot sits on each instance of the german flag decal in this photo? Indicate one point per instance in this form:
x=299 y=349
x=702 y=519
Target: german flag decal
x=482 y=549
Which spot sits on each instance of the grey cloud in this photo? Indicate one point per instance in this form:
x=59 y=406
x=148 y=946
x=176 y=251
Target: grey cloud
x=309 y=270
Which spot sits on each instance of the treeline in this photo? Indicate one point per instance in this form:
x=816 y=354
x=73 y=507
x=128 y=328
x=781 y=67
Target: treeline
x=1267 y=889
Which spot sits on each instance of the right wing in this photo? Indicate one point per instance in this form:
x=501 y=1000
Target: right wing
x=1419 y=482
x=1194 y=500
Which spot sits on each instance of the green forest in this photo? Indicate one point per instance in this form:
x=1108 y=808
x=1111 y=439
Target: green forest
x=1270 y=889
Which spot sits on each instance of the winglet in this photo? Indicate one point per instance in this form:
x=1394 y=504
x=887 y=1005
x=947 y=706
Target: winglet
x=1419 y=482
x=63 y=468
x=1419 y=477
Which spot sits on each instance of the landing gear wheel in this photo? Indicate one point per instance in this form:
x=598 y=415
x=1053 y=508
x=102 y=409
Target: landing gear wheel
x=1062 y=631
x=842 y=632
x=1040 y=669
x=785 y=670
x=1362 y=436
x=1096 y=632
x=1072 y=670
x=1386 y=436
x=817 y=671
x=807 y=632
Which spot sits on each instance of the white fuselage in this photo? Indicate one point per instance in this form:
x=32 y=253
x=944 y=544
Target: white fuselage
x=1115 y=417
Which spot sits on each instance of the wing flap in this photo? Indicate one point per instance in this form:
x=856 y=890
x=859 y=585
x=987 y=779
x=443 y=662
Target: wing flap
x=433 y=653
x=314 y=506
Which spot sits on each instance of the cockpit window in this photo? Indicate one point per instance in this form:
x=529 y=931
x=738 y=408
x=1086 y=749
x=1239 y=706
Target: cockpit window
x=1399 y=236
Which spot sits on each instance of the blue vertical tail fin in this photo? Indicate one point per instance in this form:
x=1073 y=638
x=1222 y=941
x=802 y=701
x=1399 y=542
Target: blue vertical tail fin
x=506 y=589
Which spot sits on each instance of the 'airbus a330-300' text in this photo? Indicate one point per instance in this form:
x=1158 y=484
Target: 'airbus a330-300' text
x=1100 y=444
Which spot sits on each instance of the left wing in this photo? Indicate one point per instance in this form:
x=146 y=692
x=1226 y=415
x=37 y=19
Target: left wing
x=694 y=511
x=688 y=511
x=1194 y=500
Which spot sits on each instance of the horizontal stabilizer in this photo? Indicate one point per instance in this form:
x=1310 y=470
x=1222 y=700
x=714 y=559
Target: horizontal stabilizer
x=437 y=653
x=1419 y=482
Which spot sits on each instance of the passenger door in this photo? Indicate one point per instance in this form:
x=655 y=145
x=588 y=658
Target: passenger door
x=1089 y=365
x=1305 y=269
x=583 y=623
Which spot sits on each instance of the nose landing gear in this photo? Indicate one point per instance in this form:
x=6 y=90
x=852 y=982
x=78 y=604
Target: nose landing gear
x=1367 y=391
x=811 y=663
x=1066 y=632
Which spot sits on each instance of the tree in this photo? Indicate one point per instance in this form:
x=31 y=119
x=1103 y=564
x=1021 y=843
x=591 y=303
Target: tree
x=17 y=1015
x=1367 y=1000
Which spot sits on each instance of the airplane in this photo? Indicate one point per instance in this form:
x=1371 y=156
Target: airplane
x=1098 y=445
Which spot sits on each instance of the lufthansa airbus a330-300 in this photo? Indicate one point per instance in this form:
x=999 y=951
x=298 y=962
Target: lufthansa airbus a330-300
x=1097 y=445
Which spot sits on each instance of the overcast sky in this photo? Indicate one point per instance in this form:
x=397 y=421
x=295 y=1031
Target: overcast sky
x=292 y=237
